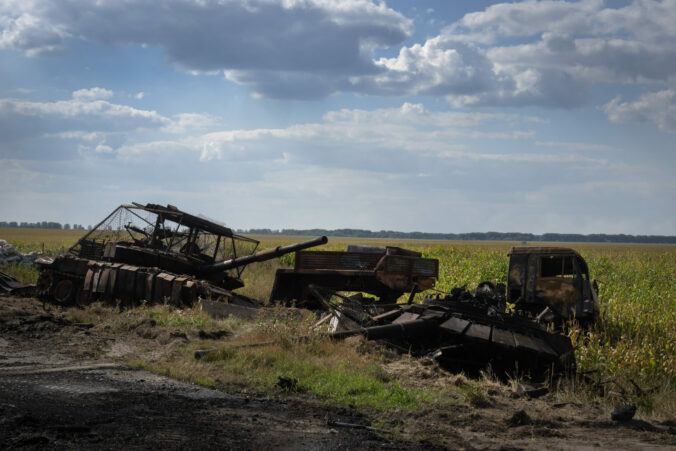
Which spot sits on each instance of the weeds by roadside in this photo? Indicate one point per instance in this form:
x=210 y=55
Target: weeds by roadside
x=27 y=274
x=634 y=344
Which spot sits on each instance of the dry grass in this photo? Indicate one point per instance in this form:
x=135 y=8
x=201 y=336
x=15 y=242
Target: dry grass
x=339 y=372
x=633 y=344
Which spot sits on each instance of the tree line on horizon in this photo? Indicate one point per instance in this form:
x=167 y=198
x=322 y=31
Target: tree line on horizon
x=42 y=225
x=473 y=236
x=361 y=233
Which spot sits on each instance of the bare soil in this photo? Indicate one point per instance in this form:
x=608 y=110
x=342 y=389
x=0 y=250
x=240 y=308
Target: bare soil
x=65 y=385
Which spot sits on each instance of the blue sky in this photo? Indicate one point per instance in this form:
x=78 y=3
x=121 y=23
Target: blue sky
x=436 y=116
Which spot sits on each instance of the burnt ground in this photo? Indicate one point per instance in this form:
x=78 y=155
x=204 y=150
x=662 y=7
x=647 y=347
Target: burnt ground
x=63 y=385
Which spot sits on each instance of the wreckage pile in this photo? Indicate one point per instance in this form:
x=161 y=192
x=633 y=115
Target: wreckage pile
x=462 y=331
x=152 y=253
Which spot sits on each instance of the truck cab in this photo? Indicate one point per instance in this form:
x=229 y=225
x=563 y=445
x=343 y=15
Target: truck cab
x=554 y=277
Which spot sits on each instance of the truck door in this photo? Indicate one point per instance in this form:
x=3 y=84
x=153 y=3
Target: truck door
x=516 y=278
x=558 y=284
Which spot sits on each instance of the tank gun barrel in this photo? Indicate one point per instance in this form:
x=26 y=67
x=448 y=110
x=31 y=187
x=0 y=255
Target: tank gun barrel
x=267 y=254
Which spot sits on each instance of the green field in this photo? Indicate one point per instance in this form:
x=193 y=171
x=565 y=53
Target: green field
x=631 y=352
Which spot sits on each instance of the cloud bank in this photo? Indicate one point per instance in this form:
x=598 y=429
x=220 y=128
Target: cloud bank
x=304 y=49
x=291 y=42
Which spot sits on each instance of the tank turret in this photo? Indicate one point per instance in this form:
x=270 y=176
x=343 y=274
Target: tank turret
x=154 y=253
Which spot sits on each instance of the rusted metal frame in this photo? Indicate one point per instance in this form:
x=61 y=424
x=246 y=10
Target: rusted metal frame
x=155 y=238
x=234 y=237
x=315 y=290
x=332 y=307
x=414 y=291
x=97 y=226
x=190 y=232
x=245 y=238
x=579 y=283
x=131 y=210
x=234 y=253
x=218 y=243
x=129 y=232
x=171 y=239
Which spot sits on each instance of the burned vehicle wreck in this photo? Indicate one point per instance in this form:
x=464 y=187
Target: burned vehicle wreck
x=152 y=253
x=512 y=328
x=552 y=282
x=384 y=272
x=462 y=331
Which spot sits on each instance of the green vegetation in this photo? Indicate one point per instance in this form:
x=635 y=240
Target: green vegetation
x=336 y=372
x=631 y=351
x=47 y=240
x=23 y=273
x=348 y=380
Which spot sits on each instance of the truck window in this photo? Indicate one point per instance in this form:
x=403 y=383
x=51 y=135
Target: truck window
x=557 y=266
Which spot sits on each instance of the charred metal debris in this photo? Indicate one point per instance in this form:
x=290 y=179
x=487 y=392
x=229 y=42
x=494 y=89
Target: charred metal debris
x=11 y=286
x=462 y=331
x=152 y=253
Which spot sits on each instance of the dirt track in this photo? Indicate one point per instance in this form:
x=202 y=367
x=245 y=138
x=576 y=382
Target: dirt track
x=61 y=387
x=53 y=394
x=116 y=407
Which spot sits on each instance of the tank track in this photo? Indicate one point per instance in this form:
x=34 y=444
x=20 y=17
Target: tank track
x=71 y=281
x=477 y=328
x=508 y=343
x=59 y=287
x=471 y=331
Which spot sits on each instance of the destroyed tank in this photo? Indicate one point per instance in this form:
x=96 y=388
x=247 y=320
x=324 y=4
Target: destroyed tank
x=152 y=253
x=462 y=331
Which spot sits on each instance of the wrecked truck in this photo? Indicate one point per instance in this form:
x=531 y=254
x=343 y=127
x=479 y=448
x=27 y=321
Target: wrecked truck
x=384 y=272
x=552 y=282
x=462 y=330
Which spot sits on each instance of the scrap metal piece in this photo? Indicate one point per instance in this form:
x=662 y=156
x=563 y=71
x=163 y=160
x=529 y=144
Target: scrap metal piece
x=10 y=285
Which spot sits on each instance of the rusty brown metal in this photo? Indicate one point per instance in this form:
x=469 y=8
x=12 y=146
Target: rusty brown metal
x=554 y=277
x=384 y=272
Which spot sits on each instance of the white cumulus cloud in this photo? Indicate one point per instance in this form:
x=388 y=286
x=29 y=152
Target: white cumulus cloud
x=92 y=94
x=656 y=107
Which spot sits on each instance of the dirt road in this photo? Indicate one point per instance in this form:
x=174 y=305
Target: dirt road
x=55 y=394
x=62 y=386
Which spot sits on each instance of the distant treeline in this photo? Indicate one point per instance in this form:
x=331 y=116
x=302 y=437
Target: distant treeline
x=42 y=225
x=474 y=236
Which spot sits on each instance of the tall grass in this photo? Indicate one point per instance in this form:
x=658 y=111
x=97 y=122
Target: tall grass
x=47 y=240
x=633 y=344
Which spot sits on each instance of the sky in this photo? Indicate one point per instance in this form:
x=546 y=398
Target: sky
x=419 y=115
